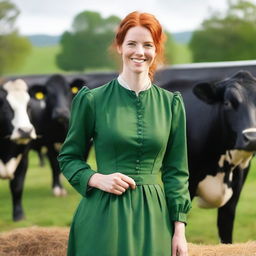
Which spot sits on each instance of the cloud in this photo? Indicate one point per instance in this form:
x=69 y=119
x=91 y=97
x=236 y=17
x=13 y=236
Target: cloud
x=53 y=17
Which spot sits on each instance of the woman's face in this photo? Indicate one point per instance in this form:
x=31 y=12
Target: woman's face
x=138 y=50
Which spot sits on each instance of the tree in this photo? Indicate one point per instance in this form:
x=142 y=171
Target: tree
x=13 y=48
x=87 y=44
x=227 y=37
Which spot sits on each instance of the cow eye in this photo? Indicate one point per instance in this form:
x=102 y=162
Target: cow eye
x=227 y=104
x=232 y=103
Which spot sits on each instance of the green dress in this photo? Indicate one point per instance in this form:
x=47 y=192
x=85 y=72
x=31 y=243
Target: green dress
x=140 y=136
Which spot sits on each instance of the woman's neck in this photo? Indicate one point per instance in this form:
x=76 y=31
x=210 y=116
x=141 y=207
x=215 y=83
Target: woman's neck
x=136 y=82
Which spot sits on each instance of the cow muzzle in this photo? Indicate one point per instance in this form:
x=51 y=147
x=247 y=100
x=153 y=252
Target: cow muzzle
x=249 y=139
x=61 y=115
x=23 y=135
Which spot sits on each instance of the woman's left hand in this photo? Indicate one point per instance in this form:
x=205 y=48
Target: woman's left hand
x=179 y=242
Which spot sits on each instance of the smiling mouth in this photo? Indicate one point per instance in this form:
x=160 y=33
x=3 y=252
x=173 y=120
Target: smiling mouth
x=138 y=60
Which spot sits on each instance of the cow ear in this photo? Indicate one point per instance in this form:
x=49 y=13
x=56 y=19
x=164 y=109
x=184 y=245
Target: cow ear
x=76 y=85
x=206 y=92
x=38 y=91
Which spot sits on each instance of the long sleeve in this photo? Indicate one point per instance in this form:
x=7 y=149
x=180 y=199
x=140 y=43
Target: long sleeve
x=175 y=166
x=81 y=128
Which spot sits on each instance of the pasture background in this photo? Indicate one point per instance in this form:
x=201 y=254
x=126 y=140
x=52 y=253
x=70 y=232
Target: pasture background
x=41 y=60
x=42 y=209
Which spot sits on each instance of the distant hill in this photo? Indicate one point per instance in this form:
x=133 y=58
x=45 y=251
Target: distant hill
x=47 y=40
x=43 y=40
x=182 y=37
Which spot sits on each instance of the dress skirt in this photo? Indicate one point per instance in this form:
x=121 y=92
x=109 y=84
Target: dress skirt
x=135 y=223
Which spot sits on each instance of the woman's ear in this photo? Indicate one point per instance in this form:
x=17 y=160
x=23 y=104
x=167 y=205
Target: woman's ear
x=119 y=49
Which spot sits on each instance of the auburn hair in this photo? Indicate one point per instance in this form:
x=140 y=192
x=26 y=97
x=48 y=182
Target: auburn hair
x=149 y=22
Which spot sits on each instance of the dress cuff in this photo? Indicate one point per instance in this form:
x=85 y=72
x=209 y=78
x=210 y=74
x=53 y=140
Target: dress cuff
x=180 y=216
x=84 y=179
x=179 y=212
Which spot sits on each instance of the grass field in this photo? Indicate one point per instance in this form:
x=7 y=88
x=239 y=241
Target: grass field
x=42 y=60
x=42 y=209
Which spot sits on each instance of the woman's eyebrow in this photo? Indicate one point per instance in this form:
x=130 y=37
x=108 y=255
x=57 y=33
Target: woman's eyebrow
x=147 y=42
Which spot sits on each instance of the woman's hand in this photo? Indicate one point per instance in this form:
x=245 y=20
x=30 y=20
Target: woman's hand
x=179 y=242
x=115 y=183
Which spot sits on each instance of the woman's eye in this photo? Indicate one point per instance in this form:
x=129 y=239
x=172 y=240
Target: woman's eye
x=131 y=43
x=149 y=45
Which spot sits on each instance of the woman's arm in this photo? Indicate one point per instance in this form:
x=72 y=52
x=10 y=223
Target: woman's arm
x=175 y=176
x=81 y=130
x=71 y=158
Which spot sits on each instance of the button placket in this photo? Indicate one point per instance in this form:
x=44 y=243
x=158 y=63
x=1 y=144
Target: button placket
x=140 y=132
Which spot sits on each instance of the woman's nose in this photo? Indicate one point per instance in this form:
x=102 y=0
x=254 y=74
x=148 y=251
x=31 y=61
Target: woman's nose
x=139 y=50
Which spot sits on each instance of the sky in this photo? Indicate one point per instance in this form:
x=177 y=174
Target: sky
x=53 y=17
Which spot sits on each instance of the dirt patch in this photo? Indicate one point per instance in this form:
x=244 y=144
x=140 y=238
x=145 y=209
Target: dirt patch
x=38 y=241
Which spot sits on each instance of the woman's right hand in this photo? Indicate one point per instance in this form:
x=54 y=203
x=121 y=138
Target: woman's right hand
x=115 y=183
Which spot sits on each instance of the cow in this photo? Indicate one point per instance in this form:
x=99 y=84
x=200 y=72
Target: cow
x=16 y=132
x=50 y=111
x=51 y=125
x=38 y=93
x=221 y=137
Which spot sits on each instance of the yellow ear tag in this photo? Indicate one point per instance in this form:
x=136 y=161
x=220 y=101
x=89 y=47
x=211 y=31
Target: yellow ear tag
x=74 y=90
x=39 y=96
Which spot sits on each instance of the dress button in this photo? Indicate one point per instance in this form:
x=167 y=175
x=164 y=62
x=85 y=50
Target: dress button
x=137 y=161
x=137 y=167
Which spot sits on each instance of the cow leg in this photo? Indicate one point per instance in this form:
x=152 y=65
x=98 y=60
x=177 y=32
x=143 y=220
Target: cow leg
x=52 y=154
x=226 y=214
x=16 y=187
x=41 y=158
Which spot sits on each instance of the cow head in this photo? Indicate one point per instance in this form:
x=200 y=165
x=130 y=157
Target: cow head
x=236 y=99
x=51 y=107
x=14 y=106
x=58 y=99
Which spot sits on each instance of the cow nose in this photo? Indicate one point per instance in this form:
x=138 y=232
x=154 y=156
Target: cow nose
x=61 y=114
x=250 y=140
x=25 y=132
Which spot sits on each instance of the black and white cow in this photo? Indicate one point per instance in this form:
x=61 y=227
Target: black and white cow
x=50 y=111
x=221 y=133
x=16 y=131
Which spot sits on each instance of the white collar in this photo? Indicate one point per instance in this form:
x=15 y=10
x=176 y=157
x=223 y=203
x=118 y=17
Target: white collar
x=123 y=83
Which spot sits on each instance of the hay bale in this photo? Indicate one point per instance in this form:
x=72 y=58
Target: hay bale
x=36 y=241
x=39 y=241
x=241 y=249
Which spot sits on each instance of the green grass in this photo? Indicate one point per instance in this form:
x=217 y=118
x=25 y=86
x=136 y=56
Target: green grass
x=183 y=54
x=42 y=209
x=41 y=60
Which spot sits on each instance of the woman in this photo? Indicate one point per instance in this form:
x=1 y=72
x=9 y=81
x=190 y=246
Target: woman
x=139 y=132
